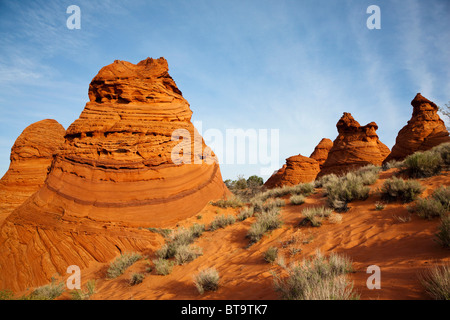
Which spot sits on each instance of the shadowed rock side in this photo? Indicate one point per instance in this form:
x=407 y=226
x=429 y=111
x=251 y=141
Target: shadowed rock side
x=113 y=177
x=320 y=153
x=424 y=130
x=31 y=156
x=298 y=169
x=355 y=146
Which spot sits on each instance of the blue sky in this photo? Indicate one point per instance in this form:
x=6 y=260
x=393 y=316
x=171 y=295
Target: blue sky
x=295 y=66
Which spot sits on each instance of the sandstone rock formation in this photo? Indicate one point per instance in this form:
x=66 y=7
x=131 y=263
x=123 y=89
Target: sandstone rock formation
x=114 y=177
x=355 y=146
x=424 y=130
x=298 y=169
x=320 y=153
x=31 y=156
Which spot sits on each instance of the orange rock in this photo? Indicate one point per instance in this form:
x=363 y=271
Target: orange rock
x=113 y=177
x=355 y=146
x=31 y=156
x=298 y=169
x=320 y=153
x=424 y=130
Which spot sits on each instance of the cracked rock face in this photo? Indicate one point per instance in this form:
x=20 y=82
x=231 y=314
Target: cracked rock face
x=113 y=177
x=31 y=156
x=355 y=146
x=424 y=130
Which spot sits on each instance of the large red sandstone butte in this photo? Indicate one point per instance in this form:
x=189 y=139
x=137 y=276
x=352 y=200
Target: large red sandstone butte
x=424 y=130
x=354 y=147
x=320 y=153
x=113 y=178
x=31 y=156
x=298 y=169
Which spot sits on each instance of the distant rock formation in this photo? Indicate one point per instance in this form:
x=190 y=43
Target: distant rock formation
x=114 y=177
x=355 y=147
x=298 y=169
x=424 y=130
x=31 y=156
x=320 y=153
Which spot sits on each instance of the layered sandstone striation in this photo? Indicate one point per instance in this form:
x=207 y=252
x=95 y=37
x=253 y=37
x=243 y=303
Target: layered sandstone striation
x=298 y=169
x=132 y=160
x=320 y=153
x=354 y=147
x=424 y=130
x=31 y=156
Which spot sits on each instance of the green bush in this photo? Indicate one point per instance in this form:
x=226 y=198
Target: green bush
x=271 y=255
x=442 y=194
x=47 y=292
x=84 y=295
x=163 y=267
x=317 y=279
x=136 y=278
x=444 y=151
x=423 y=164
x=265 y=221
x=314 y=215
x=232 y=202
x=443 y=234
x=245 y=213
x=221 y=222
x=392 y=164
x=186 y=253
x=429 y=208
x=436 y=282
x=346 y=189
x=297 y=199
x=118 y=266
x=6 y=295
x=180 y=237
x=207 y=280
x=399 y=189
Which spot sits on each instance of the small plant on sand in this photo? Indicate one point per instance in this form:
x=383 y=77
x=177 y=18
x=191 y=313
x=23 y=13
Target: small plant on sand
x=221 y=222
x=297 y=199
x=232 y=202
x=207 y=280
x=84 y=294
x=163 y=267
x=379 y=206
x=316 y=279
x=335 y=218
x=399 y=189
x=47 y=292
x=423 y=164
x=392 y=164
x=271 y=255
x=136 y=278
x=118 y=266
x=181 y=236
x=436 y=282
x=442 y=194
x=429 y=208
x=347 y=188
x=314 y=215
x=6 y=294
x=245 y=213
x=443 y=234
x=265 y=221
x=186 y=253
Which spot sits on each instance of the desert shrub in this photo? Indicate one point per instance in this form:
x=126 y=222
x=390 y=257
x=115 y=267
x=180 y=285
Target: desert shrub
x=323 y=181
x=335 y=218
x=442 y=194
x=297 y=199
x=82 y=294
x=257 y=203
x=436 y=282
x=232 y=202
x=273 y=203
x=265 y=221
x=443 y=234
x=302 y=189
x=180 y=237
x=136 y=278
x=163 y=266
x=164 y=232
x=271 y=255
x=118 y=266
x=47 y=292
x=392 y=164
x=6 y=294
x=314 y=215
x=368 y=174
x=186 y=253
x=379 y=206
x=221 y=222
x=423 y=164
x=207 y=280
x=346 y=189
x=399 y=189
x=317 y=279
x=444 y=151
x=429 y=208
x=245 y=213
